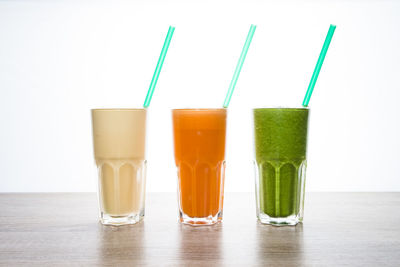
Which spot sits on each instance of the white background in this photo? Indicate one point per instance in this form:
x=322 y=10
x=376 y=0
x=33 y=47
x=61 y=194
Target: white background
x=58 y=59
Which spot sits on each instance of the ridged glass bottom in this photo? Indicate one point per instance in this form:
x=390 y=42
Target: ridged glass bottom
x=210 y=220
x=121 y=190
x=201 y=192
x=280 y=191
x=278 y=221
x=121 y=220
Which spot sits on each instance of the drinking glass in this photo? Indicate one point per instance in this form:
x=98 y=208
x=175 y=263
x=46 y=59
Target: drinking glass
x=199 y=144
x=119 y=150
x=280 y=136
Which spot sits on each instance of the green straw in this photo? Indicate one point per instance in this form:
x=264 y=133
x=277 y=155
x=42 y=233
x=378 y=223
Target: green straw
x=239 y=65
x=319 y=65
x=159 y=66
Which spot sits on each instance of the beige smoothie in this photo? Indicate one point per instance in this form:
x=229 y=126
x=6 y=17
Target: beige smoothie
x=119 y=150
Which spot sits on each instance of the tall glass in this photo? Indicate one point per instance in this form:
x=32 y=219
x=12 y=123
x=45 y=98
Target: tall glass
x=119 y=151
x=199 y=138
x=280 y=136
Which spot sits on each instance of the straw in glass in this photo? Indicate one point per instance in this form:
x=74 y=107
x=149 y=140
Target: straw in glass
x=239 y=65
x=319 y=65
x=160 y=63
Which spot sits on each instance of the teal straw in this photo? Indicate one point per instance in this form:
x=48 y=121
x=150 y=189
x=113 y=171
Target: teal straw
x=160 y=63
x=239 y=65
x=319 y=65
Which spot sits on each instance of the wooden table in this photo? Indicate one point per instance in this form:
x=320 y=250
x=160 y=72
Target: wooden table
x=62 y=229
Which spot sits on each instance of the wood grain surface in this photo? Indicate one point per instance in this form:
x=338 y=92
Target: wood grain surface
x=62 y=229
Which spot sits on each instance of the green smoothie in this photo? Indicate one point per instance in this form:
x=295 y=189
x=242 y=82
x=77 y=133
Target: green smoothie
x=280 y=149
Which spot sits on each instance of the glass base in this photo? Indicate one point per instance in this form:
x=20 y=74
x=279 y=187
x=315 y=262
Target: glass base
x=279 y=221
x=202 y=221
x=121 y=220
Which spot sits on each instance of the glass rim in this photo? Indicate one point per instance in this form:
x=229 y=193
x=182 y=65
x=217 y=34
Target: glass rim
x=118 y=109
x=198 y=109
x=277 y=107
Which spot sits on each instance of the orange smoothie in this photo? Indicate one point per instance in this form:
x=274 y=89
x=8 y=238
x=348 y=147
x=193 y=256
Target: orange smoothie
x=199 y=138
